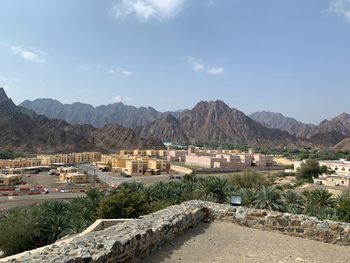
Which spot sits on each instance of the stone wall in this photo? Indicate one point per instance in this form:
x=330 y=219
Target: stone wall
x=133 y=240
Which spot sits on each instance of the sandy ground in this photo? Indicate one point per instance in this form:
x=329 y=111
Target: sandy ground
x=227 y=242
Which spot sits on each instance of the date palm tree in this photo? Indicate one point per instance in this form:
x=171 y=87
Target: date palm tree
x=249 y=196
x=213 y=189
x=269 y=198
x=293 y=202
x=320 y=198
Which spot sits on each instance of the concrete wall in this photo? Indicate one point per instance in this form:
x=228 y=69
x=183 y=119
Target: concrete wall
x=181 y=169
x=133 y=240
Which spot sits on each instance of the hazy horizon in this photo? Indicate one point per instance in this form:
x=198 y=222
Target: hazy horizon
x=287 y=57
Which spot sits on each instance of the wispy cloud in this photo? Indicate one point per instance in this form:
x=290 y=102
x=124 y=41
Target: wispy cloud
x=198 y=65
x=341 y=8
x=29 y=54
x=145 y=10
x=124 y=73
x=120 y=98
x=216 y=71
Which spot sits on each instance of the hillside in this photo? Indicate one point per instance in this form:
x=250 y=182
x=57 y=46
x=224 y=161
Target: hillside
x=25 y=131
x=214 y=121
x=340 y=124
x=344 y=145
x=279 y=121
x=81 y=113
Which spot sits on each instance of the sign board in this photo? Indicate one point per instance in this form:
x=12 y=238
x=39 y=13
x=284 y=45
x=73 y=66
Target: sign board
x=236 y=200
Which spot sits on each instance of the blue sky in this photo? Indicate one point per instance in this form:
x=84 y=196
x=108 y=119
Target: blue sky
x=290 y=56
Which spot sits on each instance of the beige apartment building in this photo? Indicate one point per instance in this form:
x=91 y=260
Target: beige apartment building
x=143 y=152
x=84 y=157
x=134 y=165
x=72 y=175
x=10 y=179
x=19 y=163
x=229 y=160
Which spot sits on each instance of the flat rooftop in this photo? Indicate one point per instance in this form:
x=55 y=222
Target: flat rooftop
x=221 y=242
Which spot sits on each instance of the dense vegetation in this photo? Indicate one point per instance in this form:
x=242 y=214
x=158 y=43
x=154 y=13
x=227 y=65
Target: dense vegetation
x=26 y=228
x=9 y=155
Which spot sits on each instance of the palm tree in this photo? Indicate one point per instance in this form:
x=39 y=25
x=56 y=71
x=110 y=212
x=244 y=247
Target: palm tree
x=54 y=220
x=213 y=189
x=293 y=202
x=320 y=198
x=249 y=196
x=269 y=198
x=95 y=197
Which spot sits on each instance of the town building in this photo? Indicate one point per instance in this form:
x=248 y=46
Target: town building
x=332 y=180
x=134 y=165
x=19 y=163
x=69 y=158
x=10 y=179
x=228 y=160
x=71 y=175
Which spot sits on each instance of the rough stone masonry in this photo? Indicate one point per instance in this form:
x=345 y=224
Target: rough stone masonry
x=133 y=240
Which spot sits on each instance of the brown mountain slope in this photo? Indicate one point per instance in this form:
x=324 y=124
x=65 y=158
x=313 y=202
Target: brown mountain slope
x=25 y=131
x=166 y=129
x=344 y=145
x=339 y=124
x=214 y=121
x=279 y=121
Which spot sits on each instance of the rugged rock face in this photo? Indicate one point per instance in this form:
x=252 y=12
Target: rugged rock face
x=344 y=145
x=166 y=129
x=279 y=121
x=214 y=121
x=24 y=131
x=80 y=113
x=339 y=124
x=211 y=121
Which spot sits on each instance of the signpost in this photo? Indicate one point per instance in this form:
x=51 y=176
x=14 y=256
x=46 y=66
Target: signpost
x=236 y=200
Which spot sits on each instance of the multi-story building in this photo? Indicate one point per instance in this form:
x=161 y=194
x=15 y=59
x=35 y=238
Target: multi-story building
x=134 y=165
x=159 y=165
x=70 y=158
x=234 y=161
x=340 y=167
x=19 y=163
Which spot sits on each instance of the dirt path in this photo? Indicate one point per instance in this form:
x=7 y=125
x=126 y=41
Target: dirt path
x=226 y=242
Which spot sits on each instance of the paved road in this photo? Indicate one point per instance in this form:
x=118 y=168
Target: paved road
x=104 y=177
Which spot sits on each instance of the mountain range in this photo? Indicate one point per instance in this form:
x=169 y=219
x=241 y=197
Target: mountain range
x=23 y=130
x=206 y=122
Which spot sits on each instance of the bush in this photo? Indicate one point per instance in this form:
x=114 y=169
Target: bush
x=123 y=204
x=308 y=170
x=19 y=231
x=249 y=179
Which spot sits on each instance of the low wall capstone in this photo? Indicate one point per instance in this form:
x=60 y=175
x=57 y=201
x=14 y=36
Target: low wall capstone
x=133 y=240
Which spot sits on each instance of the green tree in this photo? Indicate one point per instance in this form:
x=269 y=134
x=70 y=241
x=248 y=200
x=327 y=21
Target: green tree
x=308 y=170
x=249 y=196
x=319 y=198
x=213 y=189
x=123 y=204
x=54 y=220
x=269 y=198
x=249 y=179
x=19 y=231
x=343 y=206
x=293 y=202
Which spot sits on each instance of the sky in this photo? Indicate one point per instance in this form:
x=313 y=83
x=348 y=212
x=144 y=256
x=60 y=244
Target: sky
x=287 y=56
